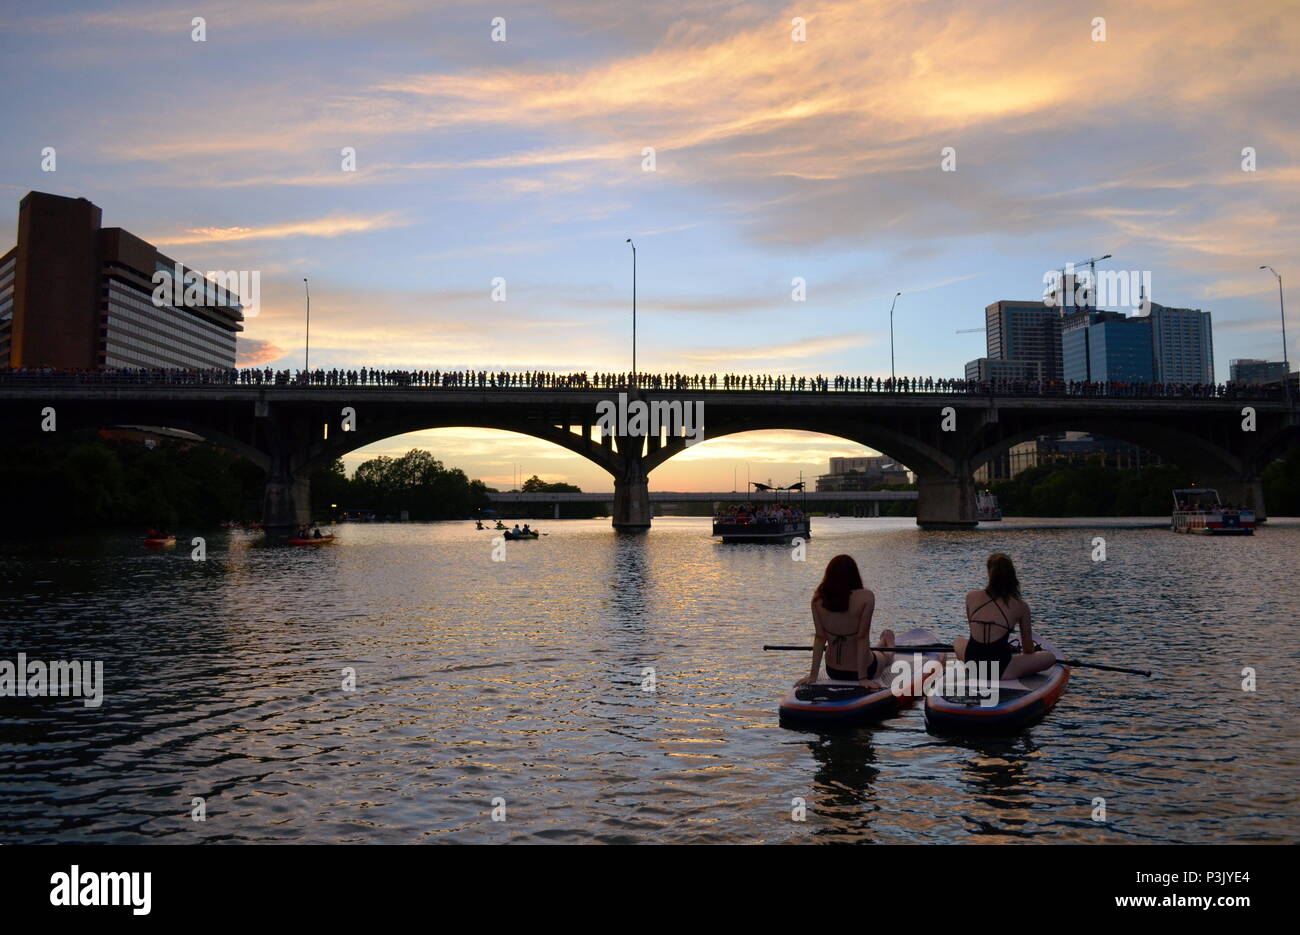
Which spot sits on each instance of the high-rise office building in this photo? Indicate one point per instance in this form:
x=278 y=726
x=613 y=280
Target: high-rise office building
x=1182 y=345
x=1025 y=331
x=865 y=473
x=8 y=264
x=986 y=370
x=1244 y=370
x=77 y=296
x=1107 y=347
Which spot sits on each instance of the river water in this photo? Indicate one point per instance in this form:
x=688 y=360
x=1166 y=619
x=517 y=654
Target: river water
x=521 y=682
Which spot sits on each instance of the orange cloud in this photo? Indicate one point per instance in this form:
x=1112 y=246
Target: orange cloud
x=322 y=227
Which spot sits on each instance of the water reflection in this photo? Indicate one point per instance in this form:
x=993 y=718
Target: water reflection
x=842 y=782
x=524 y=679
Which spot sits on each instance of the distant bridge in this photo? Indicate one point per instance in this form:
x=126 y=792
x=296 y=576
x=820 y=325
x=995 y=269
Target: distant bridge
x=873 y=497
x=292 y=430
x=695 y=496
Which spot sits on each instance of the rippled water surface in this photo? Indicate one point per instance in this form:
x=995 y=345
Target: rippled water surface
x=522 y=680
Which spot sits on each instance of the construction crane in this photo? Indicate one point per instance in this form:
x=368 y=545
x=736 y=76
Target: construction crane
x=970 y=330
x=1091 y=263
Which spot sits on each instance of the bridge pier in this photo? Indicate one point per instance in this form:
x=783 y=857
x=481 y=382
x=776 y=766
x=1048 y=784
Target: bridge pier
x=631 y=504
x=946 y=501
x=286 y=500
x=631 y=490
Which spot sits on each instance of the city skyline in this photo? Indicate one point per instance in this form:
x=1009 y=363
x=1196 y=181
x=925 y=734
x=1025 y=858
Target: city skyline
x=776 y=160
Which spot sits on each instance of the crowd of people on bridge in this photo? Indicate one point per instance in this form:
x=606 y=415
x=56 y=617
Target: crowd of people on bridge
x=605 y=381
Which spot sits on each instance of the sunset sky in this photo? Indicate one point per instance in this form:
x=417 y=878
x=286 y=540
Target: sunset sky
x=774 y=159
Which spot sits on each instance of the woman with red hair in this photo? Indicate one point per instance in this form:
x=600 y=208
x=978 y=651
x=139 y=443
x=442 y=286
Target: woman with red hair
x=841 y=612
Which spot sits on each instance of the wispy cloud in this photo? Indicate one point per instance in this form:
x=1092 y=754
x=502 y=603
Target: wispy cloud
x=792 y=350
x=321 y=227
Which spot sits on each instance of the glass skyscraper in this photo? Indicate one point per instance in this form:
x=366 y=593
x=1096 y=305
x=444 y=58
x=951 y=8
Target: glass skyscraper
x=1108 y=347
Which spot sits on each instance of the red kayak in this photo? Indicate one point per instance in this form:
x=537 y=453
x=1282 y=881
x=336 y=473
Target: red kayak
x=312 y=541
x=156 y=542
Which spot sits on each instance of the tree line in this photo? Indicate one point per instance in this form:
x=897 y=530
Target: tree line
x=85 y=479
x=416 y=483
x=1089 y=489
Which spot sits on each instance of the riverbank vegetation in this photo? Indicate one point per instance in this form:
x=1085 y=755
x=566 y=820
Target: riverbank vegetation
x=87 y=480
x=1088 y=489
x=417 y=484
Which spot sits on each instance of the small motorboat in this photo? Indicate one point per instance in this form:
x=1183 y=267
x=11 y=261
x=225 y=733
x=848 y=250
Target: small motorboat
x=986 y=507
x=1198 y=510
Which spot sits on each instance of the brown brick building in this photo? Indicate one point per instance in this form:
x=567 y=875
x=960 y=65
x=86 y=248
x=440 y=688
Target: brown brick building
x=75 y=295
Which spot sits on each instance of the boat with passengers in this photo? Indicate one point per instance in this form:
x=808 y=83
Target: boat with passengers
x=986 y=506
x=1199 y=510
x=769 y=516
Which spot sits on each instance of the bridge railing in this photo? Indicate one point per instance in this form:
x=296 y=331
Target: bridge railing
x=462 y=380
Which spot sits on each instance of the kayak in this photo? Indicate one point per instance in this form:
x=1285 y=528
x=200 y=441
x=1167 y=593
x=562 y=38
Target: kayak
x=1020 y=703
x=520 y=535
x=834 y=703
x=312 y=541
x=160 y=541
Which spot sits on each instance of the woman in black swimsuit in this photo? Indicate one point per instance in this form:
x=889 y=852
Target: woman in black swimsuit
x=994 y=614
x=841 y=610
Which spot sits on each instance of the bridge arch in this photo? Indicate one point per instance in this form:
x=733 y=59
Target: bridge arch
x=1191 y=452
x=1206 y=455
x=326 y=450
x=915 y=454
x=93 y=420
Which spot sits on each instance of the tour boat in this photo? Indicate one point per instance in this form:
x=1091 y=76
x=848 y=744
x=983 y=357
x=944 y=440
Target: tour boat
x=1199 y=510
x=987 y=506
x=745 y=524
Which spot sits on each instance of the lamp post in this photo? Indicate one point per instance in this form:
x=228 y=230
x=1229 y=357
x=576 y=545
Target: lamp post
x=629 y=240
x=1282 y=311
x=893 y=384
x=306 y=356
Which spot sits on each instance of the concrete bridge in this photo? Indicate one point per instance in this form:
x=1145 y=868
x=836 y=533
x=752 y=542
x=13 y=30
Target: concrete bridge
x=291 y=430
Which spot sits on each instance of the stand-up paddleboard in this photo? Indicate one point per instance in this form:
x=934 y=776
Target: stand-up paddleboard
x=1020 y=703
x=833 y=703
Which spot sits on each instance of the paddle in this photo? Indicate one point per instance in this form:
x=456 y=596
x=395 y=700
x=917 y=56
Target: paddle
x=1076 y=664
x=928 y=648
x=945 y=648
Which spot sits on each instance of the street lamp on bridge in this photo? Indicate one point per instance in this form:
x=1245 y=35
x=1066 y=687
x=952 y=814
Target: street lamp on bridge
x=629 y=240
x=1286 y=364
x=893 y=385
x=306 y=353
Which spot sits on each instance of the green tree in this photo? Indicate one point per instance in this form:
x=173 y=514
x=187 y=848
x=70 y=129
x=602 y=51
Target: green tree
x=535 y=484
